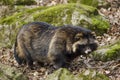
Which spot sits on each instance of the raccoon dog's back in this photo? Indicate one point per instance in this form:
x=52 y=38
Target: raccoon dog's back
x=23 y=44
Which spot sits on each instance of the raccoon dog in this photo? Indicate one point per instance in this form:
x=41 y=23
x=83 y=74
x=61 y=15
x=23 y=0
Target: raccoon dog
x=42 y=42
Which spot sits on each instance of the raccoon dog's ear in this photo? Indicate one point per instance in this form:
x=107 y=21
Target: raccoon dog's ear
x=93 y=34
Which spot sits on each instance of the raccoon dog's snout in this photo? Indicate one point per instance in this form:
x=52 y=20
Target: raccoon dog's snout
x=88 y=50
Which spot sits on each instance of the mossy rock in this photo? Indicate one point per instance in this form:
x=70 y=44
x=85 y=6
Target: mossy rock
x=10 y=25
x=107 y=53
x=76 y=14
x=90 y=74
x=99 y=24
x=61 y=74
x=65 y=14
x=64 y=74
x=72 y=13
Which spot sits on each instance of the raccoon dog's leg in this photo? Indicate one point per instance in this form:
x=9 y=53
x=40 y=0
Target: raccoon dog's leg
x=16 y=54
x=56 y=53
x=22 y=54
x=29 y=60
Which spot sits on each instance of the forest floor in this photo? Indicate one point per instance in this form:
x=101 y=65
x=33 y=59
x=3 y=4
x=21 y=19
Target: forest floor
x=109 y=68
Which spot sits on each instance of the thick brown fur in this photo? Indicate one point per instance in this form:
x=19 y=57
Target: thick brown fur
x=42 y=42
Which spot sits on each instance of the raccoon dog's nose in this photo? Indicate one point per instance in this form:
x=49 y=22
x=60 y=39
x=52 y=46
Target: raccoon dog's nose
x=88 y=50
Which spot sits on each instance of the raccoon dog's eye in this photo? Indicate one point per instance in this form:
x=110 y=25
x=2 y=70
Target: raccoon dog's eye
x=77 y=38
x=93 y=37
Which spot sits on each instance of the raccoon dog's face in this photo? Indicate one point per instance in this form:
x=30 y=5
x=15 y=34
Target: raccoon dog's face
x=84 y=43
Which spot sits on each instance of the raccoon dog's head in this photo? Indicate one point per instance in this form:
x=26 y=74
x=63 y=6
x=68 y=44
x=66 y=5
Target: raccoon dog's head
x=84 y=43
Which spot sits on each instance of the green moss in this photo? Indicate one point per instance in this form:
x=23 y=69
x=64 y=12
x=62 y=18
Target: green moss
x=61 y=74
x=64 y=74
x=11 y=73
x=92 y=75
x=107 y=53
x=101 y=77
x=113 y=52
x=93 y=3
x=11 y=24
x=100 y=24
x=55 y=14
x=90 y=2
x=51 y=15
x=18 y=16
